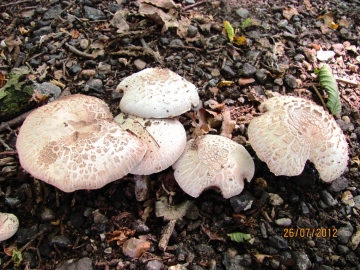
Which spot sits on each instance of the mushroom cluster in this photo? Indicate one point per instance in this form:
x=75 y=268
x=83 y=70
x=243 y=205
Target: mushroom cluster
x=151 y=97
x=74 y=143
x=293 y=130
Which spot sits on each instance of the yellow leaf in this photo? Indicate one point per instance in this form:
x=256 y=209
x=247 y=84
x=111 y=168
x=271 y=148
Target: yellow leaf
x=229 y=30
x=224 y=83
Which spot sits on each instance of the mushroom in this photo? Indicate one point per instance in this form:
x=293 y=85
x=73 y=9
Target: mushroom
x=74 y=143
x=9 y=225
x=165 y=140
x=213 y=161
x=293 y=130
x=157 y=93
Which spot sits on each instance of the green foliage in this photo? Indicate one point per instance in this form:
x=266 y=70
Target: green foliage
x=17 y=257
x=229 y=30
x=246 y=23
x=240 y=237
x=328 y=82
x=14 y=81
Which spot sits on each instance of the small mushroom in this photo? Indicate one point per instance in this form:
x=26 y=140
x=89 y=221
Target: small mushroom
x=165 y=140
x=74 y=143
x=293 y=130
x=157 y=93
x=213 y=161
x=9 y=225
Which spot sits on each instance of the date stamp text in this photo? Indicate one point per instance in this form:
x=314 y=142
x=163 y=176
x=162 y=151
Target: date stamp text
x=310 y=232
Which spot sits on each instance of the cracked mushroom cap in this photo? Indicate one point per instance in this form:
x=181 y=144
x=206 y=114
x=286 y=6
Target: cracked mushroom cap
x=157 y=93
x=9 y=225
x=74 y=143
x=293 y=130
x=165 y=140
x=213 y=161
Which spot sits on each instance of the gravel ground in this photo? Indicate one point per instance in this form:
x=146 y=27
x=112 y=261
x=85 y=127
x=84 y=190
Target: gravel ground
x=89 y=46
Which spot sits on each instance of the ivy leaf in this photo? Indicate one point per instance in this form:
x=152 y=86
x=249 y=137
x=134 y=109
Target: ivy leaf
x=328 y=82
x=14 y=81
x=240 y=237
x=229 y=30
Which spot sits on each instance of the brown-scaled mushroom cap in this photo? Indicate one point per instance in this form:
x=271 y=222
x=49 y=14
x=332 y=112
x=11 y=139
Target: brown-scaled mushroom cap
x=157 y=93
x=293 y=130
x=74 y=143
x=213 y=161
x=9 y=225
x=165 y=139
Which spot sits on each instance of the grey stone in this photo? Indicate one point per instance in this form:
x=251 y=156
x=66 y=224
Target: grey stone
x=176 y=42
x=304 y=208
x=94 y=14
x=52 y=12
x=139 y=64
x=302 y=261
x=49 y=89
x=242 y=202
x=291 y=81
x=328 y=198
x=227 y=72
x=248 y=70
x=140 y=227
x=60 y=241
x=81 y=264
x=344 y=234
x=154 y=265
x=43 y=31
x=242 y=12
x=261 y=75
x=47 y=215
x=95 y=85
x=339 y=184
x=299 y=57
x=192 y=31
x=278 y=242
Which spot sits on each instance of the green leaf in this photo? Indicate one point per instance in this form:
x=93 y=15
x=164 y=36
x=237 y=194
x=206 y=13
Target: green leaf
x=17 y=257
x=246 y=23
x=14 y=81
x=328 y=82
x=240 y=237
x=229 y=30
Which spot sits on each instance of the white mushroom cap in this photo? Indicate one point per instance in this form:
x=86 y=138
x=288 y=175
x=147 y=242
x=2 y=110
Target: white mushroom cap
x=74 y=143
x=293 y=130
x=9 y=225
x=213 y=161
x=157 y=93
x=165 y=140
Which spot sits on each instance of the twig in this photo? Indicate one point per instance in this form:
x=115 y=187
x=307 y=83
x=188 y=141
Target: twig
x=194 y=5
x=343 y=80
x=186 y=47
x=15 y=3
x=321 y=98
x=136 y=51
x=80 y=53
x=5 y=265
x=17 y=121
x=133 y=35
x=8 y=153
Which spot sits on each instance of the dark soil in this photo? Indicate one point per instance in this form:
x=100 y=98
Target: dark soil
x=57 y=227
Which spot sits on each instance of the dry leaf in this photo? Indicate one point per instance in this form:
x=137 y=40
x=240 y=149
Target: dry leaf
x=289 y=12
x=58 y=83
x=23 y=31
x=224 y=84
x=228 y=125
x=2 y=79
x=308 y=5
x=260 y=257
x=329 y=21
x=74 y=33
x=58 y=74
x=240 y=41
x=214 y=90
x=134 y=247
x=212 y=235
x=120 y=235
x=119 y=21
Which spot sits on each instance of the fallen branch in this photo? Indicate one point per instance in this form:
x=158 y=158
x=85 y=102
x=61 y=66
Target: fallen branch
x=80 y=53
x=15 y=3
x=17 y=121
x=321 y=98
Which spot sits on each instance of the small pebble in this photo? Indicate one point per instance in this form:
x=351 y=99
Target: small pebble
x=139 y=64
x=325 y=55
x=275 y=199
x=283 y=222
